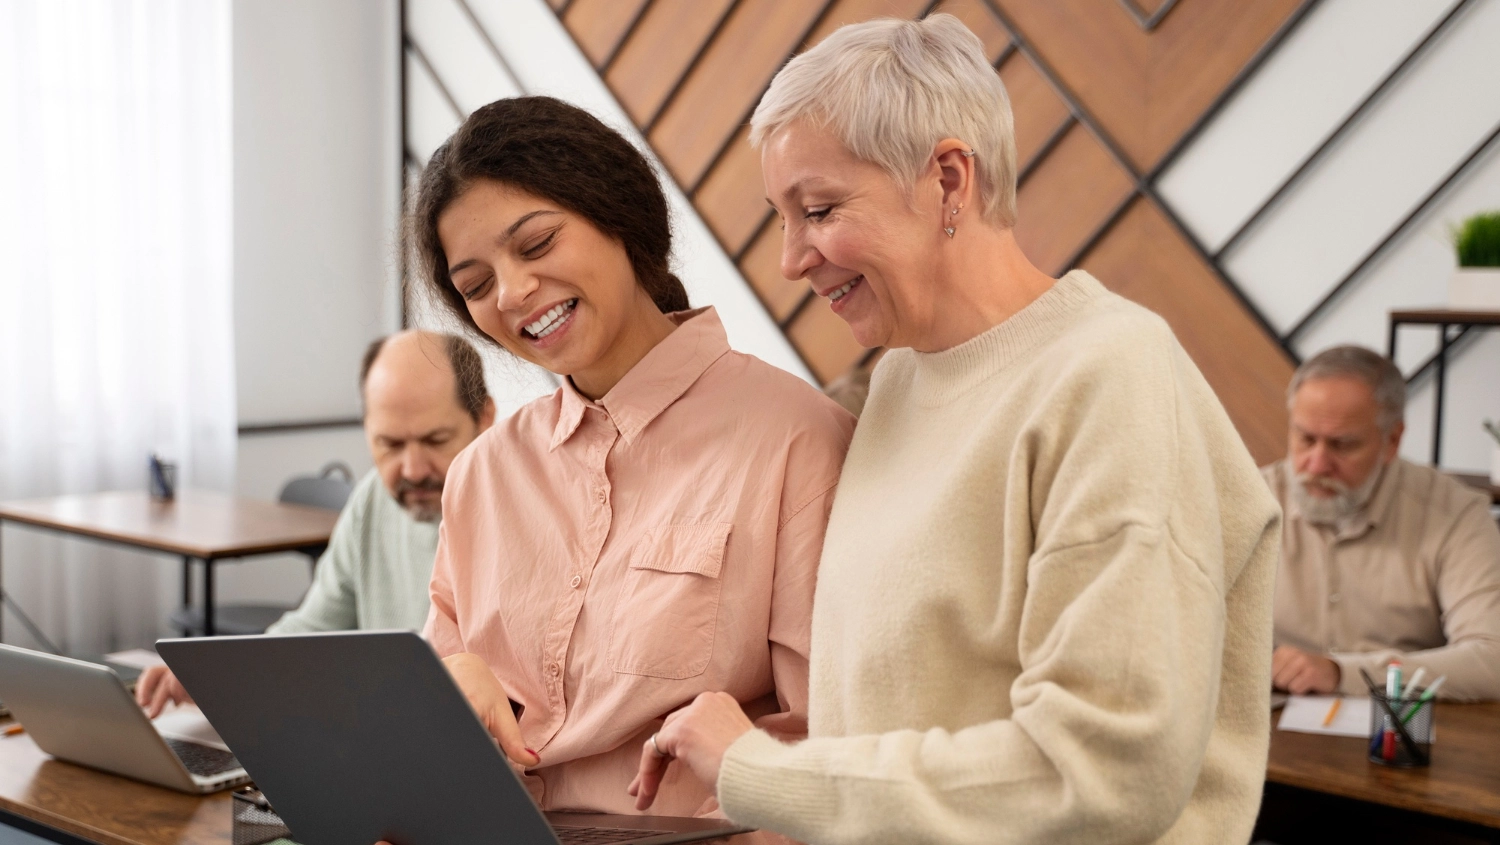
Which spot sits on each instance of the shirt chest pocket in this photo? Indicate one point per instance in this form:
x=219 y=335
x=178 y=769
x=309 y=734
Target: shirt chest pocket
x=668 y=611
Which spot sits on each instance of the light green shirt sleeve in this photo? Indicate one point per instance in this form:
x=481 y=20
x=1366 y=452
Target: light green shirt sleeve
x=331 y=603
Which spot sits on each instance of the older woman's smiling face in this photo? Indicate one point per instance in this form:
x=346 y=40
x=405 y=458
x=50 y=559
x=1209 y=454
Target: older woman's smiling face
x=851 y=232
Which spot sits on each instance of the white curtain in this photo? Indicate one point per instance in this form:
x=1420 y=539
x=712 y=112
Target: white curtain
x=115 y=288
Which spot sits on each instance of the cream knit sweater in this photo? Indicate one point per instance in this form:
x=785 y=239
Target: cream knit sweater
x=1044 y=608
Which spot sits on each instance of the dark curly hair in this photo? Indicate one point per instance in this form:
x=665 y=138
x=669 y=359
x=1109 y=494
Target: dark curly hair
x=561 y=153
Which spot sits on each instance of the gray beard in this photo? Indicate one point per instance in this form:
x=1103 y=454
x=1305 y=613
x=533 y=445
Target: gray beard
x=1333 y=510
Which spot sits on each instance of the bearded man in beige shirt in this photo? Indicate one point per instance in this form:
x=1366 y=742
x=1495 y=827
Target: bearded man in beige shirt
x=1382 y=559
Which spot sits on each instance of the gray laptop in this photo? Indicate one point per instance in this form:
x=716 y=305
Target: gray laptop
x=80 y=712
x=360 y=736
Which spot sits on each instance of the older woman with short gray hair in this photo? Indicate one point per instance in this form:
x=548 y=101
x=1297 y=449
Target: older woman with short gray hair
x=1043 y=611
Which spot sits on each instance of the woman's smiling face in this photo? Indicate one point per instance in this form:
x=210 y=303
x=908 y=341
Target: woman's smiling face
x=852 y=233
x=540 y=280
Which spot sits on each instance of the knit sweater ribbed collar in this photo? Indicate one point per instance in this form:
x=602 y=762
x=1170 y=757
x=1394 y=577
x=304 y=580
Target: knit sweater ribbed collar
x=941 y=377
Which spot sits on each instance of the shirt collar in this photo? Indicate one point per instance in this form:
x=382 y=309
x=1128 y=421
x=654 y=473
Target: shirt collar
x=655 y=382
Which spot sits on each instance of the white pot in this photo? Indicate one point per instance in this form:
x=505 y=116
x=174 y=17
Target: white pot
x=1495 y=467
x=1475 y=289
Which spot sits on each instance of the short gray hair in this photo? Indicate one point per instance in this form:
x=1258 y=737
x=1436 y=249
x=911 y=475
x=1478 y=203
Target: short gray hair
x=1375 y=370
x=890 y=89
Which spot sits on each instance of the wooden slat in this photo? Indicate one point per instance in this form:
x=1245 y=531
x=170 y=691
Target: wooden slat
x=658 y=53
x=751 y=47
x=732 y=196
x=762 y=266
x=1068 y=196
x=598 y=25
x=825 y=341
x=1147 y=89
x=855 y=11
x=1037 y=108
x=979 y=19
x=1145 y=259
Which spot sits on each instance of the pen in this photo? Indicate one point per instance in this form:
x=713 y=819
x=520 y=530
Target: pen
x=1423 y=699
x=1392 y=693
x=1333 y=710
x=1415 y=682
x=12 y=730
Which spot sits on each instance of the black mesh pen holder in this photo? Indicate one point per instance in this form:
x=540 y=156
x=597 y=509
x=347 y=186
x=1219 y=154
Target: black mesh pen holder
x=1400 y=731
x=255 y=823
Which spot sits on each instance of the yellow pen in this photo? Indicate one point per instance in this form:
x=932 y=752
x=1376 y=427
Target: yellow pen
x=1333 y=711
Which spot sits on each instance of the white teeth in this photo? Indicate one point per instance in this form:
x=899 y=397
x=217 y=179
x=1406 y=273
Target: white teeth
x=549 y=321
x=835 y=296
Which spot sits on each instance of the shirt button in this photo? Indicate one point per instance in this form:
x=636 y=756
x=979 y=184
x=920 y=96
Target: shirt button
x=577 y=579
x=552 y=669
x=1334 y=598
x=603 y=497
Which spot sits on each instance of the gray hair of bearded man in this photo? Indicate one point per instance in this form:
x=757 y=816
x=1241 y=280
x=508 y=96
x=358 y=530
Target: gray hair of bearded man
x=1375 y=370
x=890 y=89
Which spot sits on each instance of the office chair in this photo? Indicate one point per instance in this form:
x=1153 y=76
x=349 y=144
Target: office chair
x=330 y=489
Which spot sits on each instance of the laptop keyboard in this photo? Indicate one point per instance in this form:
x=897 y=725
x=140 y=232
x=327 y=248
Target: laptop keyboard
x=599 y=835
x=202 y=760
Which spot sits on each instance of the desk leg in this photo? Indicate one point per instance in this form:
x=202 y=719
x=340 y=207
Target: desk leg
x=1437 y=402
x=208 y=597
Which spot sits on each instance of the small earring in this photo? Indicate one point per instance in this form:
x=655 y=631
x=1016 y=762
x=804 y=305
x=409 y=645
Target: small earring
x=968 y=153
x=950 y=230
x=955 y=211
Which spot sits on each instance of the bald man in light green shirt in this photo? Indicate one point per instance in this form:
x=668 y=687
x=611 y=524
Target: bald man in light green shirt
x=425 y=400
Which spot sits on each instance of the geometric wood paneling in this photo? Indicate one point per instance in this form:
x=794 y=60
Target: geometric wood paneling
x=1100 y=98
x=1145 y=258
x=1147 y=88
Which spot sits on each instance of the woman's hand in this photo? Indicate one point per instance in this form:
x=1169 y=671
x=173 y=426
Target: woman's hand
x=698 y=735
x=490 y=701
x=156 y=687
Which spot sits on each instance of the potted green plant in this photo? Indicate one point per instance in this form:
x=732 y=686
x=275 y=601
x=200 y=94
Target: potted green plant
x=1476 y=284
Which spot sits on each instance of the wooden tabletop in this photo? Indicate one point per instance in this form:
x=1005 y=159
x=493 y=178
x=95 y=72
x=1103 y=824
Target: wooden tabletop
x=197 y=523
x=105 y=808
x=1462 y=783
x=1446 y=315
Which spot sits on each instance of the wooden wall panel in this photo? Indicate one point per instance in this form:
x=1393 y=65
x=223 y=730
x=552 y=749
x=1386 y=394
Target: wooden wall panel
x=732 y=198
x=752 y=45
x=1069 y=196
x=981 y=21
x=1145 y=258
x=1034 y=104
x=598 y=25
x=659 y=52
x=1147 y=87
x=762 y=266
x=1100 y=96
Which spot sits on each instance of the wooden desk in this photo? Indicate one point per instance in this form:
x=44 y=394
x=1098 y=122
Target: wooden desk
x=104 y=808
x=112 y=810
x=1462 y=784
x=197 y=525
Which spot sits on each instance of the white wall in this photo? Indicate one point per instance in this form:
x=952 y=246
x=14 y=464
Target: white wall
x=317 y=170
x=1405 y=144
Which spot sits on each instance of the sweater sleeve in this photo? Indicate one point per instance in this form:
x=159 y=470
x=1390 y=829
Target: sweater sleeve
x=1110 y=721
x=1468 y=593
x=1120 y=648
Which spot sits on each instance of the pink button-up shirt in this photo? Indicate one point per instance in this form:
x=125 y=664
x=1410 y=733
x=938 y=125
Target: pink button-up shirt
x=610 y=560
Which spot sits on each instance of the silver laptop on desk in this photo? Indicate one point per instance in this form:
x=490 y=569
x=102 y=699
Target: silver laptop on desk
x=80 y=712
x=360 y=736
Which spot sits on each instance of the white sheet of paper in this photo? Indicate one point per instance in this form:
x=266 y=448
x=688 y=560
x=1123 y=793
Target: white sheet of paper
x=1305 y=713
x=136 y=658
